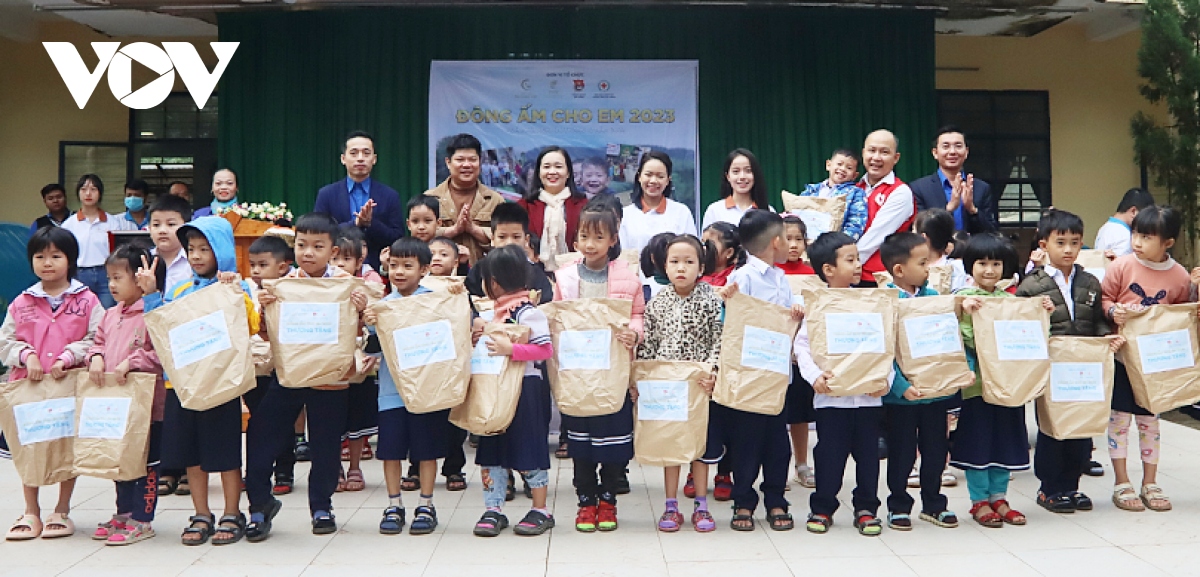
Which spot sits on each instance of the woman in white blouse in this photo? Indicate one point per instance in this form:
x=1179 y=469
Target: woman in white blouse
x=652 y=211
x=91 y=226
x=742 y=189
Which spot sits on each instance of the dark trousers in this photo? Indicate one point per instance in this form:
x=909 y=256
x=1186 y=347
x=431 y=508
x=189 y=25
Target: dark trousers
x=842 y=433
x=908 y=428
x=758 y=443
x=590 y=491
x=285 y=463
x=1058 y=464
x=456 y=456
x=139 y=497
x=271 y=431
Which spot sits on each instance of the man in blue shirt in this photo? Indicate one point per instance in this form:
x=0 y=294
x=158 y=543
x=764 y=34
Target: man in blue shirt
x=968 y=199
x=361 y=201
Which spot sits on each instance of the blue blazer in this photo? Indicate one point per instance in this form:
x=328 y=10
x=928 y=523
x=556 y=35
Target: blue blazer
x=387 y=221
x=929 y=193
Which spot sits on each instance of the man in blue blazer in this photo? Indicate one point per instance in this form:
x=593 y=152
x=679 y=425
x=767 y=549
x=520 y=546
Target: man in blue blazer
x=358 y=200
x=968 y=199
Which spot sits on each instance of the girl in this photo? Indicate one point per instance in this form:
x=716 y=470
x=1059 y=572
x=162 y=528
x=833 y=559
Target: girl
x=651 y=210
x=728 y=252
x=797 y=242
x=122 y=345
x=937 y=226
x=48 y=329
x=683 y=323
x=505 y=273
x=91 y=226
x=652 y=262
x=1145 y=278
x=605 y=440
x=742 y=189
x=553 y=203
x=991 y=440
x=224 y=191
x=800 y=411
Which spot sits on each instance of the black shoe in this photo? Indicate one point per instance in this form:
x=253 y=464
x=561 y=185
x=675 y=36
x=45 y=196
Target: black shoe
x=302 y=452
x=256 y=532
x=1056 y=504
x=510 y=492
x=623 y=484
x=1082 y=502
x=1094 y=469
x=882 y=449
x=324 y=524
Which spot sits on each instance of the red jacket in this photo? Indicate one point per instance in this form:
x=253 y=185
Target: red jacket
x=875 y=200
x=537 y=213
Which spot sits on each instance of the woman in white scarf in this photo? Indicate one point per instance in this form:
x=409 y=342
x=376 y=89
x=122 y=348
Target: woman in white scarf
x=554 y=204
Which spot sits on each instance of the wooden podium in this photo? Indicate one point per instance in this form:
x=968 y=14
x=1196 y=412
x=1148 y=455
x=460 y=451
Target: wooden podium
x=245 y=232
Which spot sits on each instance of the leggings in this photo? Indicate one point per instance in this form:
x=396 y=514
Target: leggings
x=1149 y=436
x=987 y=485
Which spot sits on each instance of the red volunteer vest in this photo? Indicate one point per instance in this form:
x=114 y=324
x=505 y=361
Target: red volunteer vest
x=875 y=200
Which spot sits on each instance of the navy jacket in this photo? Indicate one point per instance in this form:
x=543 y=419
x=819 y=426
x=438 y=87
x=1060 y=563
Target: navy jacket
x=387 y=220
x=929 y=193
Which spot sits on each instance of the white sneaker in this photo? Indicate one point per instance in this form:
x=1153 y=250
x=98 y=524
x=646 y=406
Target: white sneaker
x=948 y=479
x=914 y=479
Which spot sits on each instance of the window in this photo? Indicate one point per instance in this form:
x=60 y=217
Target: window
x=1009 y=136
x=108 y=160
x=175 y=141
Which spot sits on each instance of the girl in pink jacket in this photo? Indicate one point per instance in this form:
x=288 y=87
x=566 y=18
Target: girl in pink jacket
x=49 y=329
x=122 y=345
x=607 y=440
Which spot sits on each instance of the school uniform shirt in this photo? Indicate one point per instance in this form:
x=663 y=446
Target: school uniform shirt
x=1115 y=235
x=639 y=225
x=762 y=281
x=92 y=235
x=726 y=210
x=801 y=348
x=389 y=395
x=178 y=270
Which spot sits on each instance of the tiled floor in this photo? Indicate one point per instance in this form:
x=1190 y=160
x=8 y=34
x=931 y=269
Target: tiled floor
x=1103 y=542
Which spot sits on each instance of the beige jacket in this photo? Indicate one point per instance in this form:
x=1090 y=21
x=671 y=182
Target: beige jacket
x=485 y=201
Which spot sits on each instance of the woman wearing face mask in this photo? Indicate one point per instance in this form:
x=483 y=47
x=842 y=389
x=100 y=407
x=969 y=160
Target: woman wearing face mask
x=135 y=204
x=553 y=203
x=224 y=191
x=742 y=189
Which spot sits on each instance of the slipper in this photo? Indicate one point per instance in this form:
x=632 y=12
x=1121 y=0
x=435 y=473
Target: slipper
x=66 y=527
x=130 y=534
x=25 y=528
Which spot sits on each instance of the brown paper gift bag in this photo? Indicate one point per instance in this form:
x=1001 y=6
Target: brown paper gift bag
x=940 y=278
x=495 y=385
x=852 y=334
x=260 y=351
x=112 y=430
x=930 y=349
x=589 y=372
x=1161 y=356
x=819 y=214
x=426 y=341
x=441 y=283
x=802 y=282
x=670 y=425
x=1079 y=399
x=1094 y=262
x=38 y=420
x=313 y=328
x=203 y=341
x=1011 y=340
x=756 y=356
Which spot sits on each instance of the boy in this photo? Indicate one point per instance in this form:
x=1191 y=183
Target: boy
x=1077 y=312
x=270 y=259
x=204 y=442
x=423 y=217
x=420 y=438
x=510 y=225
x=762 y=440
x=842 y=167
x=914 y=421
x=327 y=405
x=846 y=426
x=1115 y=234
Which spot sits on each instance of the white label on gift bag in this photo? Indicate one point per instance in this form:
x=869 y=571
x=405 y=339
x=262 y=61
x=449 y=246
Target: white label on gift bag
x=484 y=364
x=1020 y=341
x=933 y=335
x=45 y=420
x=584 y=350
x=849 y=333
x=423 y=344
x=662 y=400
x=1076 y=382
x=103 y=418
x=309 y=323
x=767 y=350
x=1168 y=351
x=815 y=222
x=199 y=339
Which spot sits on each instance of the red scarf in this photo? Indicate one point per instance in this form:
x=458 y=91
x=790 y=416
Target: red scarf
x=797 y=267
x=506 y=304
x=718 y=278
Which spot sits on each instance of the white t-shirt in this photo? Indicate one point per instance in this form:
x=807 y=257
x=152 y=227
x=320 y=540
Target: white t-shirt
x=638 y=226
x=1115 y=236
x=92 y=235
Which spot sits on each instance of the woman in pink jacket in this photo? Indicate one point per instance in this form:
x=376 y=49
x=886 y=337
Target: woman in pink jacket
x=607 y=440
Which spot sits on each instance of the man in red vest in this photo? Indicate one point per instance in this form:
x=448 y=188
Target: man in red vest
x=890 y=204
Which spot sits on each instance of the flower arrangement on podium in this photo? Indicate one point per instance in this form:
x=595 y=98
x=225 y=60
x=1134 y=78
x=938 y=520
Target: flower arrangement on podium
x=263 y=211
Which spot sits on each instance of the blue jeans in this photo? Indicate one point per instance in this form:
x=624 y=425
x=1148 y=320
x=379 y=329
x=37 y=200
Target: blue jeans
x=497 y=484
x=96 y=278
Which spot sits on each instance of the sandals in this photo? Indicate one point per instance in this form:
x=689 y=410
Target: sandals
x=230 y=529
x=781 y=521
x=1154 y=498
x=109 y=528
x=819 y=524
x=722 y=487
x=561 y=452
x=806 y=477
x=703 y=521
x=742 y=521
x=944 y=519
x=899 y=521
x=1126 y=499
x=671 y=521
x=259 y=530
x=167 y=485
x=413 y=482
x=424 y=520
x=456 y=482
x=534 y=523
x=1082 y=502
x=324 y=523
x=1012 y=516
x=355 y=481
x=989 y=519
x=867 y=524
x=25 y=528
x=341 y=484
x=490 y=524
x=66 y=527
x=392 y=522
x=201 y=525
x=182 y=488
x=948 y=479
x=130 y=533
x=689 y=487
x=1057 y=504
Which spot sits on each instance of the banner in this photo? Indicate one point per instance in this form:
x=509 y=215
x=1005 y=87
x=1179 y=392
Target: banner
x=606 y=113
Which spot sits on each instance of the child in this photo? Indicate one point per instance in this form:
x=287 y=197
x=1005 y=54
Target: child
x=209 y=441
x=33 y=343
x=444 y=255
x=797 y=242
x=914 y=422
x=605 y=441
x=327 y=405
x=362 y=417
x=418 y=437
x=1145 y=278
x=800 y=410
x=842 y=167
x=991 y=440
x=683 y=323
x=937 y=226
x=1114 y=237
x=761 y=442
x=122 y=345
x=510 y=225
x=505 y=273
x=846 y=426
x=423 y=217
x=1077 y=312
x=652 y=261
x=270 y=258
